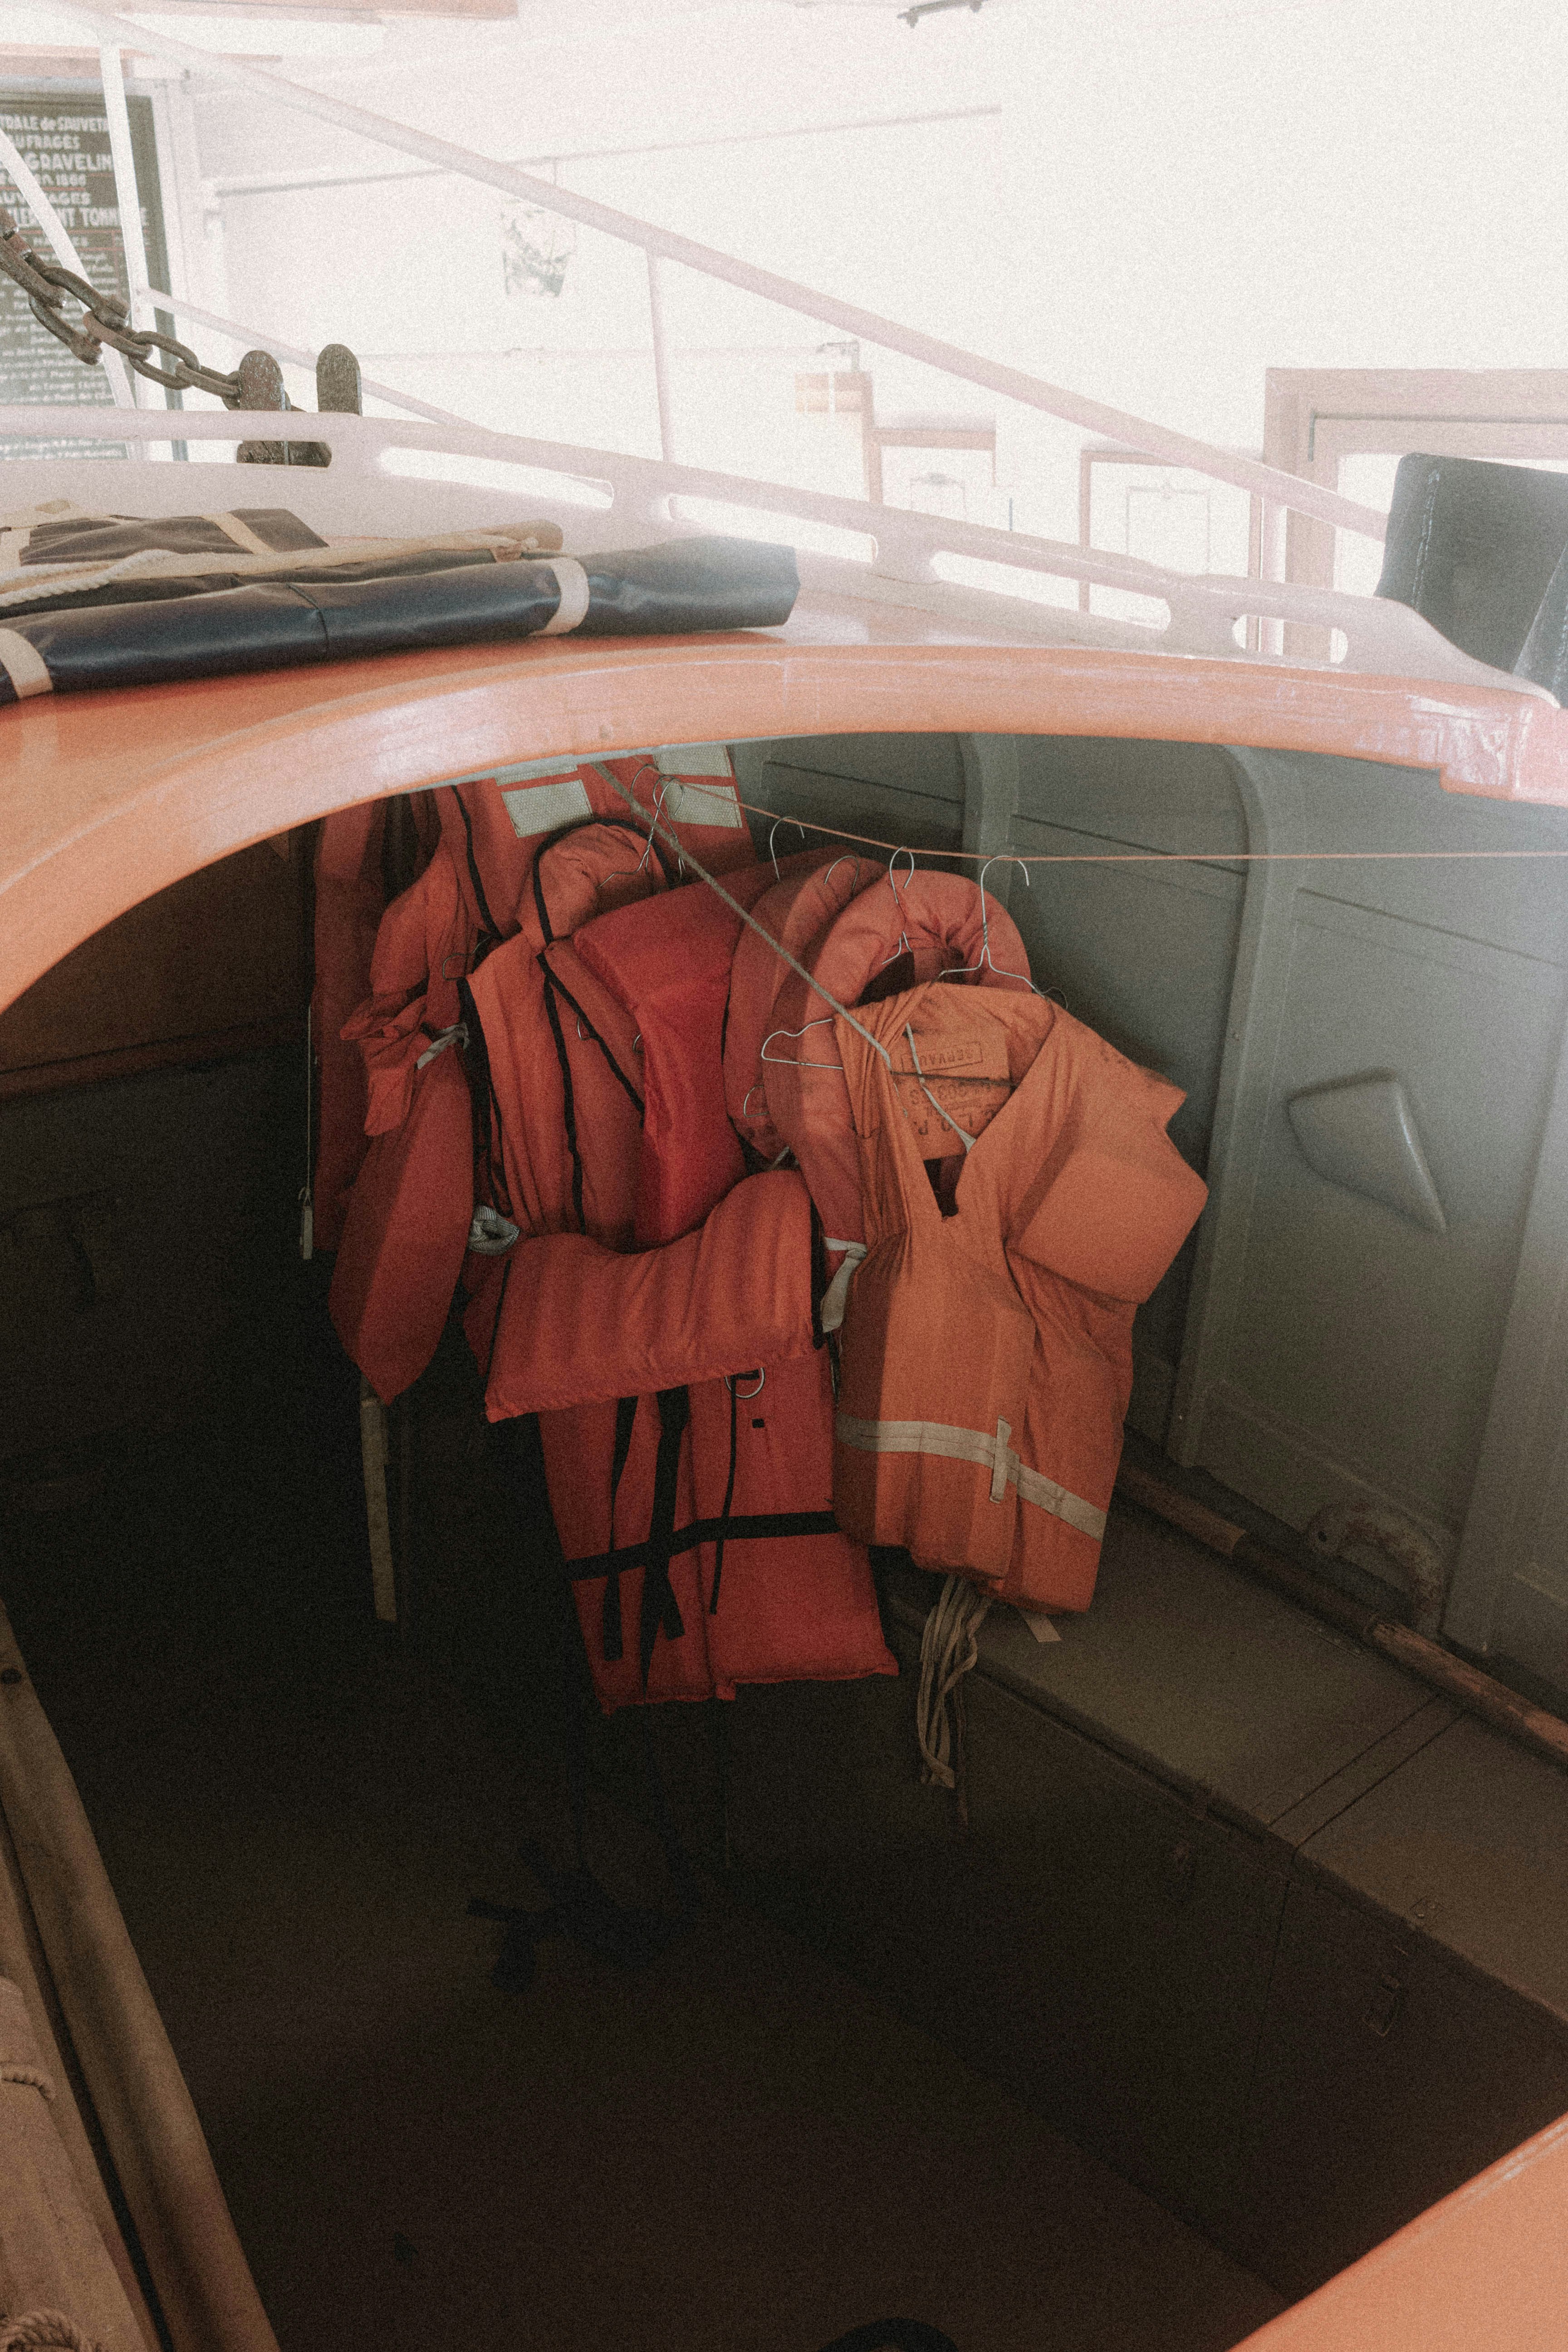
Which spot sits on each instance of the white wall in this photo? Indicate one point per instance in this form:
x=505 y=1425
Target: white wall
x=1176 y=195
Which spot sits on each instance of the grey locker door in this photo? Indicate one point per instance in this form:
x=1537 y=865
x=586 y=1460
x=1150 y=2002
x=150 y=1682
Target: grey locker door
x=1393 y=1036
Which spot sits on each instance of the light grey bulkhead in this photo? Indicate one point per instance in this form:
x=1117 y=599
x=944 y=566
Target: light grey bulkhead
x=1374 y=1311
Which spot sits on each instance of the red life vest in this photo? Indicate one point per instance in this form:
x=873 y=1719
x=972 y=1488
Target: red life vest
x=490 y=828
x=986 y=1355
x=350 y=897
x=407 y=1234
x=886 y=937
x=778 y=1592
x=581 y=1324
x=670 y=967
x=494 y=824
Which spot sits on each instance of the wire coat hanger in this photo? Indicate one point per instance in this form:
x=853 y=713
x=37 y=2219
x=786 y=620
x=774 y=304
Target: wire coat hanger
x=772 y=836
x=792 y=1061
x=986 y=963
x=903 y=947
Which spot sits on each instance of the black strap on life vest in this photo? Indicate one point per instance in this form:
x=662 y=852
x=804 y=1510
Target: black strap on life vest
x=611 y=1640
x=568 y=1096
x=484 y=1109
x=490 y=933
x=659 y=1607
x=728 y=1483
x=589 y=1032
x=740 y=1526
x=628 y=1935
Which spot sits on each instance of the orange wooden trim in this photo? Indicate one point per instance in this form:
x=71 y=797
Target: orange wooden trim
x=1485 y=2270
x=106 y=798
x=168 y=1052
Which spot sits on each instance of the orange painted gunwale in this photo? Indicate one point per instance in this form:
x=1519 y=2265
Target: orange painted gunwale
x=1486 y=2269
x=106 y=798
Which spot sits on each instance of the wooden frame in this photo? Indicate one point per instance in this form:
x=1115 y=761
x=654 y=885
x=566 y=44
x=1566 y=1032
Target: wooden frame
x=1112 y=453
x=1313 y=418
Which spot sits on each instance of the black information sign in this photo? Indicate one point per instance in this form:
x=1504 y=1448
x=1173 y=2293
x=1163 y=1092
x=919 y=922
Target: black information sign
x=63 y=136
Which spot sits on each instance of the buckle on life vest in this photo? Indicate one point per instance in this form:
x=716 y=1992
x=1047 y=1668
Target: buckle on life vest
x=490 y=1235
x=835 y=1297
x=456 y=1035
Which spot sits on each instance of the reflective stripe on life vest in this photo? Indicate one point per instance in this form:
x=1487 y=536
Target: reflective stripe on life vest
x=992 y=1453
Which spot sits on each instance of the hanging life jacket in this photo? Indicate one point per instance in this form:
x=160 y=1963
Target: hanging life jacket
x=863 y=934
x=722 y=1541
x=986 y=1352
x=766 y=1588
x=449 y=1179
x=495 y=824
x=349 y=899
x=490 y=828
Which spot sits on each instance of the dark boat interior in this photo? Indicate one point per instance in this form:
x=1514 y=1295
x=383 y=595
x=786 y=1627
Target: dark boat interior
x=1249 y=1950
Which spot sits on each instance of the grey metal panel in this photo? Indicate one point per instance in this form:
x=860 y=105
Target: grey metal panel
x=1510 y=1590
x=1170 y=796
x=1091 y=1941
x=1367 y=1339
x=1208 y=1680
x=1386 y=2077
x=902 y=788
x=1337 y=1350
x=1468 y=1842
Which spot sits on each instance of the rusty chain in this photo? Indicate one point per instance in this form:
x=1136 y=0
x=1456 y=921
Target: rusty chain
x=106 y=319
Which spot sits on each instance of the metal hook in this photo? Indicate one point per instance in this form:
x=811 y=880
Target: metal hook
x=891 y=883
x=792 y=1061
x=745 y=1396
x=623 y=872
x=843 y=859
x=746 y=1097
x=772 y=836
x=986 y=960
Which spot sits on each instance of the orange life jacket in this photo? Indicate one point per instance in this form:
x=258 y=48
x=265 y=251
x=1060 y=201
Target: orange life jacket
x=765 y=1588
x=986 y=1352
x=489 y=828
x=493 y=824
x=670 y=967
x=620 y=1339
x=350 y=898
x=884 y=937
x=433 y=1155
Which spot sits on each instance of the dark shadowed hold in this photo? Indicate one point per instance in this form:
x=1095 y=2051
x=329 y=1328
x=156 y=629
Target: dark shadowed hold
x=623 y=1933
x=893 y=2335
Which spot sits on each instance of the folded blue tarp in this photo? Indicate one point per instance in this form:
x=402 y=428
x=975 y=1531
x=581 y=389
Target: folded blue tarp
x=687 y=585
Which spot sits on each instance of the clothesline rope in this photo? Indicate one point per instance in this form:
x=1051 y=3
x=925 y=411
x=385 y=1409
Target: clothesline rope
x=1124 y=857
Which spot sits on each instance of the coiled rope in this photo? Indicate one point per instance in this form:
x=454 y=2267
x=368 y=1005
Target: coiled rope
x=44 y=2331
x=949 y=1649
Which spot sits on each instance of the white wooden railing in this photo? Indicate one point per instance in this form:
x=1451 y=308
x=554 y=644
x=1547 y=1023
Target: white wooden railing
x=662 y=247
x=1009 y=582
